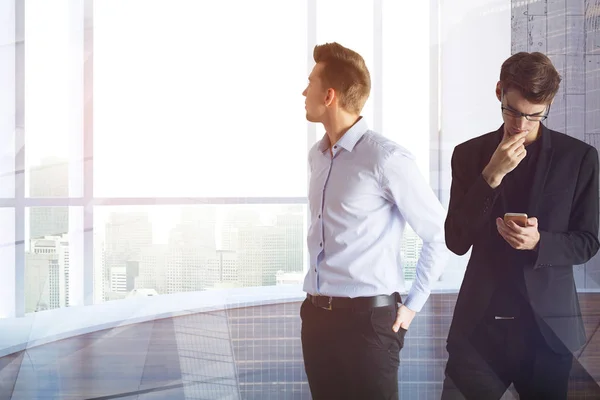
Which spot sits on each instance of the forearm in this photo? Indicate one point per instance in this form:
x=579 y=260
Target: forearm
x=431 y=264
x=467 y=214
x=565 y=248
x=580 y=242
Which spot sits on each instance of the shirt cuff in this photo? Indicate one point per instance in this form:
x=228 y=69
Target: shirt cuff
x=416 y=299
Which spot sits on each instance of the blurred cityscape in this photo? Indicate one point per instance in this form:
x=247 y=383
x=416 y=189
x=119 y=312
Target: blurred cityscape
x=210 y=247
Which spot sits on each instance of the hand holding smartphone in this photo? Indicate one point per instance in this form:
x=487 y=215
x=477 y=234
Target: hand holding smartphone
x=518 y=218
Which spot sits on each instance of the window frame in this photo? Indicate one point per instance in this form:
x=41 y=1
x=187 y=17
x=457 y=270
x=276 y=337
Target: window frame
x=85 y=275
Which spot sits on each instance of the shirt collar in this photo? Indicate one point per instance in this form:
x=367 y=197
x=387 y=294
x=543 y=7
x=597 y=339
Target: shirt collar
x=349 y=139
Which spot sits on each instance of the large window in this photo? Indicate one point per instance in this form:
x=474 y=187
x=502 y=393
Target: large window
x=154 y=250
x=47 y=258
x=354 y=30
x=408 y=92
x=7 y=255
x=52 y=103
x=166 y=143
x=199 y=99
x=7 y=100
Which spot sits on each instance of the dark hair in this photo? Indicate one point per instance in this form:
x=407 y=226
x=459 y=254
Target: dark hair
x=533 y=75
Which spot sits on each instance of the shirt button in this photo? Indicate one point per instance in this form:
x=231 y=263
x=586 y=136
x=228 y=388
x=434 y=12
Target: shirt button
x=335 y=147
x=319 y=215
x=321 y=244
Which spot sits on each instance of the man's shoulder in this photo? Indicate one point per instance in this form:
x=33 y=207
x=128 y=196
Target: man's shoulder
x=562 y=142
x=475 y=143
x=314 y=151
x=315 y=147
x=383 y=147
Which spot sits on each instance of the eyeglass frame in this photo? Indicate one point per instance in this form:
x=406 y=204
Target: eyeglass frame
x=520 y=114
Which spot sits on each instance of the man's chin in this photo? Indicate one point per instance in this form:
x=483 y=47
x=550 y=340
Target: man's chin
x=310 y=119
x=513 y=132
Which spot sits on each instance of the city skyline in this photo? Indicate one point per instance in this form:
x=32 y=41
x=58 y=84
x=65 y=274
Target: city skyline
x=177 y=144
x=158 y=249
x=249 y=258
x=252 y=253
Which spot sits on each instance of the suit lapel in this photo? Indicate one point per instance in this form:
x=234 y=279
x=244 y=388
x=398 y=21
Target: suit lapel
x=541 y=171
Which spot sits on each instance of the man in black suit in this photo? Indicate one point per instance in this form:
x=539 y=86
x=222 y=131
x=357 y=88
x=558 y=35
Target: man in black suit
x=517 y=318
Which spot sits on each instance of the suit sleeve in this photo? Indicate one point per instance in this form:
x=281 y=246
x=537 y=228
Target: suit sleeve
x=471 y=202
x=580 y=243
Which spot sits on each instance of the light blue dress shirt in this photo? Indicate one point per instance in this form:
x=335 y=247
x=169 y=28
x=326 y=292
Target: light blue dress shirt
x=359 y=202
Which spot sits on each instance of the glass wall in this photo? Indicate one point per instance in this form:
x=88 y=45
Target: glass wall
x=156 y=250
x=209 y=105
x=173 y=159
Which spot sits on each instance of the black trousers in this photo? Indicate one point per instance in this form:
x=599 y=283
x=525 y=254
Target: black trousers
x=351 y=354
x=501 y=352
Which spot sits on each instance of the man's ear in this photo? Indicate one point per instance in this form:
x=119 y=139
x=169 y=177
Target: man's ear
x=330 y=96
x=499 y=90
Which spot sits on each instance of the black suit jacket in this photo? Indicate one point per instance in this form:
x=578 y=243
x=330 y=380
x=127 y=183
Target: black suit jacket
x=564 y=197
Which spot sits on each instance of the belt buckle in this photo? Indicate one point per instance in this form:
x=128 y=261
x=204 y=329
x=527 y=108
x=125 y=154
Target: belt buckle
x=328 y=307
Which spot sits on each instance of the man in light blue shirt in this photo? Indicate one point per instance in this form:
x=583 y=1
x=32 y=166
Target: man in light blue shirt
x=363 y=190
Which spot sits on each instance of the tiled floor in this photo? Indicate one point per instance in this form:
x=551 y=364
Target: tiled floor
x=246 y=353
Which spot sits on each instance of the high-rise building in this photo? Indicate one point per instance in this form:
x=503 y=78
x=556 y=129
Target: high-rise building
x=132 y=270
x=192 y=244
x=196 y=229
x=127 y=234
x=100 y=277
x=410 y=251
x=37 y=280
x=265 y=249
x=153 y=269
x=261 y=255
x=235 y=219
x=290 y=225
x=224 y=270
x=50 y=179
x=228 y=266
x=189 y=269
x=118 y=279
x=47 y=273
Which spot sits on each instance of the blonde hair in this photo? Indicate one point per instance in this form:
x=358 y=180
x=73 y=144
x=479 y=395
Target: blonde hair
x=344 y=71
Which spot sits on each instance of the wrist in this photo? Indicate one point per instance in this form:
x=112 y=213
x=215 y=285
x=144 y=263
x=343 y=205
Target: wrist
x=492 y=179
x=537 y=243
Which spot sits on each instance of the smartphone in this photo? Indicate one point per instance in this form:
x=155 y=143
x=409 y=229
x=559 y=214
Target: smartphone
x=519 y=218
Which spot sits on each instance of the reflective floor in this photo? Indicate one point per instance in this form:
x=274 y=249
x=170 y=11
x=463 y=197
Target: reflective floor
x=245 y=353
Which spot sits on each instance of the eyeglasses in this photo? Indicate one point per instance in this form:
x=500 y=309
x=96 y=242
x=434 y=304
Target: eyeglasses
x=529 y=117
x=517 y=114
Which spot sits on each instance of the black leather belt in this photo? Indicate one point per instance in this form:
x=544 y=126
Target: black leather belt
x=357 y=303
